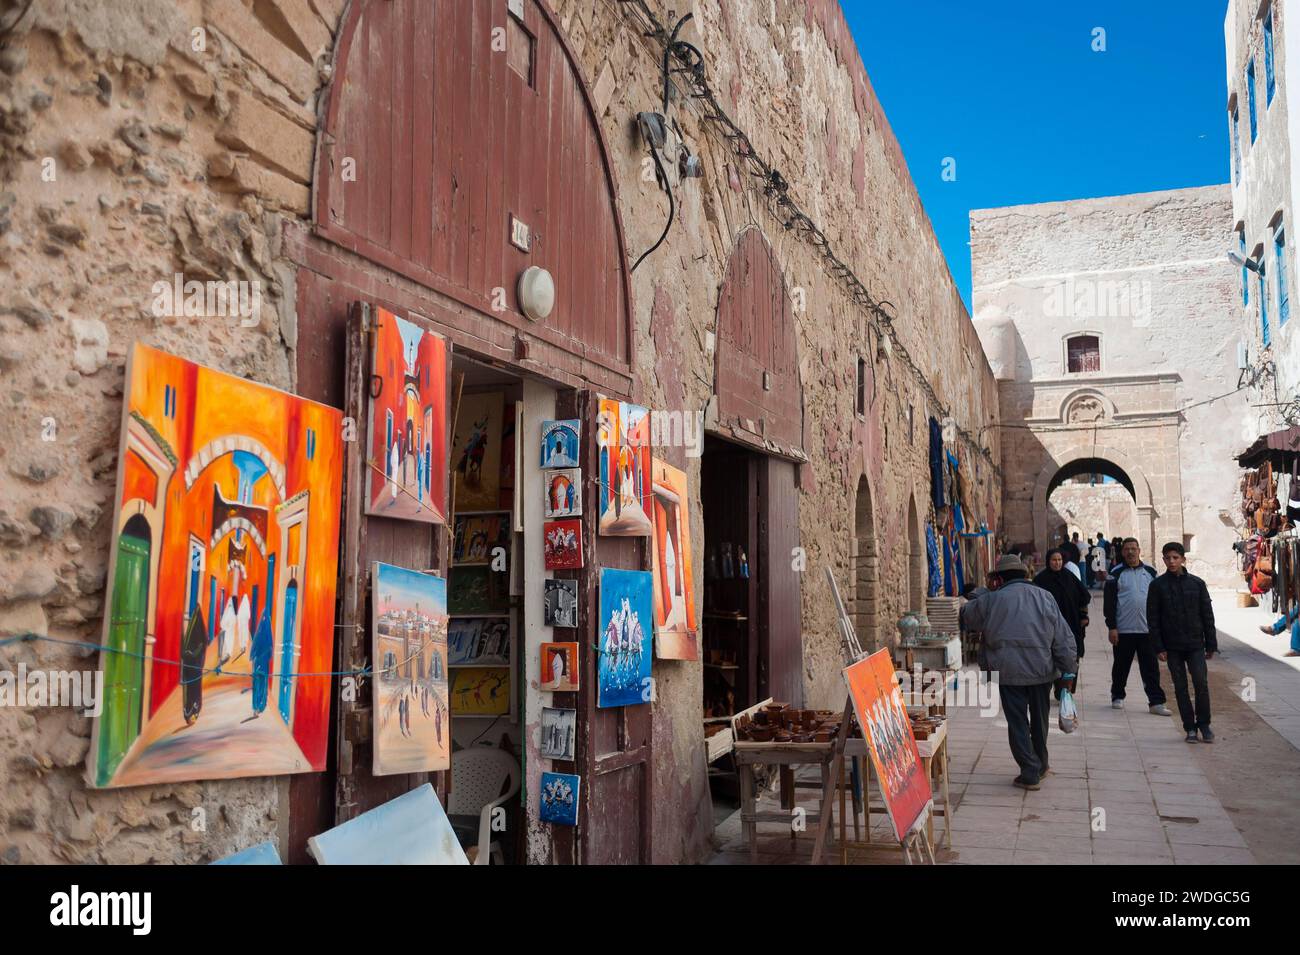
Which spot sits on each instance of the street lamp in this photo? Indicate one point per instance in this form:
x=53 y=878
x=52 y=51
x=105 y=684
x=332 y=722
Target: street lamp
x=1236 y=259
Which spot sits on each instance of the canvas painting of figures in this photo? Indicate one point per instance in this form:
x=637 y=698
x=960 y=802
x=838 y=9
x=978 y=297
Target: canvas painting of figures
x=623 y=437
x=481 y=691
x=674 y=587
x=479 y=535
x=483 y=641
x=224 y=555
x=559 y=798
x=624 y=637
x=560 y=607
x=559 y=732
x=560 y=667
x=407 y=462
x=412 y=720
x=476 y=452
x=563 y=493
x=562 y=545
x=560 y=443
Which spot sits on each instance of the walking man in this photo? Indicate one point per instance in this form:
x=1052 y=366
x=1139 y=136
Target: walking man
x=1028 y=645
x=1181 y=619
x=1124 y=604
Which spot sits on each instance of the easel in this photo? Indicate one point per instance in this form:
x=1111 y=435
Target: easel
x=917 y=838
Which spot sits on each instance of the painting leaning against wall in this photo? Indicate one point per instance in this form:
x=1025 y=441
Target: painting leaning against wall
x=219 y=624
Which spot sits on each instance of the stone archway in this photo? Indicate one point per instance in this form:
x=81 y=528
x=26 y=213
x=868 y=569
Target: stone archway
x=1137 y=485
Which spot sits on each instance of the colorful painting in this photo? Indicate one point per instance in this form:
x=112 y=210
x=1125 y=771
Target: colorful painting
x=873 y=687
x=224 y=554
x=478 y=590
x=674 y=587
x=412 y=721
x=479 y=535
x=623 y=436
x=481 y=691
x=559 y=732
x=560 y=667
x=563 y=493
x=476 y=452
x=624 y=636
x=479 y=641
x=412 y=829
x=560 y=443
x=562 y=545
x=560 y=603
x=559 y=792
x=407 y=463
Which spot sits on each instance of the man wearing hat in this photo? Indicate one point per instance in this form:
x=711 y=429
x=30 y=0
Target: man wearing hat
x=1027 y=645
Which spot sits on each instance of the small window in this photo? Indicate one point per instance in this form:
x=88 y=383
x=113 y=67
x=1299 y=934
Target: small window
x=1083 y=353
x=1269 y=84
x=1236 y=148
x=520 y=47
x=1279 y=250
x=1250 y=96
x=911 y=425
x=1245 y=275
x=1263 y=309
x=862 y=387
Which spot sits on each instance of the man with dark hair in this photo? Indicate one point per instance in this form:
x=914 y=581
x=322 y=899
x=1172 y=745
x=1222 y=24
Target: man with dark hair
x=1028 y=644
x=1124 y=605
x=1180 y=617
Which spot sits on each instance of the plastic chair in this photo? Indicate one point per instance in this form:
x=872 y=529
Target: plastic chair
x=478 y=776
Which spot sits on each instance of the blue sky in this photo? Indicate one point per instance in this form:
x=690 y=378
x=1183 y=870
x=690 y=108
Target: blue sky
x=1014 y=92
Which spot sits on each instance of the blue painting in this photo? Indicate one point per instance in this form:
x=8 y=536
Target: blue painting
x=560 y=443
x=624 y=637
x=560 y=798
x=412 y=829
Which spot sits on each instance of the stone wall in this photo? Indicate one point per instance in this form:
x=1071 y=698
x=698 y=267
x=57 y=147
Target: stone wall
x=174 y=159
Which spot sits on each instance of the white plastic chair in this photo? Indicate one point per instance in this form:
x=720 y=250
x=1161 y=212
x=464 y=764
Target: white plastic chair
x=478 y=775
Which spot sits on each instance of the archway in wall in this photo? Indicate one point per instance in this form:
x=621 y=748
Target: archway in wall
x=866 y=570
x=1088 y=493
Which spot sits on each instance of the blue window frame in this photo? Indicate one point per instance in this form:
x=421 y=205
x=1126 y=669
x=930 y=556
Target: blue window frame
x=1250 y=96
x=1263 y=311
x=1269 y=84
x=1283 y=301
x=1245 y=276
x=1236 y=148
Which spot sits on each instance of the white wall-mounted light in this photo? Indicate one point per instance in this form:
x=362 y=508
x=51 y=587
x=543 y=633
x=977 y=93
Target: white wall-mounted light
x=536 y=292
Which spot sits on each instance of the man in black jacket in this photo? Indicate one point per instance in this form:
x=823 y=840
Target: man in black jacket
x=1181 y=621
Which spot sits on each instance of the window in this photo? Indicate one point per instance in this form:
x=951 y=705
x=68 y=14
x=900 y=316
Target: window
x=1236 y=148
x=1250 y=96
x=1279 y=249
x=1263 y=310
x=520 y=47
x=1083 y=353
x=1269 y=84
x=1245 y=283
x=862 y=387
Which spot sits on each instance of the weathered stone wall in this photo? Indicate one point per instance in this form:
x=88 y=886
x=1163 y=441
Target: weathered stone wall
x=1147 y=274
x=190 y=166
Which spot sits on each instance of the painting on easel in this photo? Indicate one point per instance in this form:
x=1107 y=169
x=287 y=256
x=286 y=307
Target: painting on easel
x=873 y=687
x=407 y=462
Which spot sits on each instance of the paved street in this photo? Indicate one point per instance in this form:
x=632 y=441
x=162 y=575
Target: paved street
x=1161 y=800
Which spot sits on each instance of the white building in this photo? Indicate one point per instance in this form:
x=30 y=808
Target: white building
x=1264 y=184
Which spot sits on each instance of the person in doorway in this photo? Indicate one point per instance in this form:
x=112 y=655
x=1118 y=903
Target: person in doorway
x=1292 y=620
x=1085 y=563
x=1072 y=598
x=1124 y=604
x=1181 y=621
x=1028 y=644
x=1104 y=546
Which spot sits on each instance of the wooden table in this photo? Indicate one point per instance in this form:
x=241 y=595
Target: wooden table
x=934 y=763
x=785 y=755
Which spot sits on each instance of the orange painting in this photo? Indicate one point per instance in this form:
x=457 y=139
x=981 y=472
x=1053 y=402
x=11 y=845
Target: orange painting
x=674 y=589
x=873 y=687
x=407 y=463
x=219 y=624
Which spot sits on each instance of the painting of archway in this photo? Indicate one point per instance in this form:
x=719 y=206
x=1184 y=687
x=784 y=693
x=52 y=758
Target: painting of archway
x=212 y=573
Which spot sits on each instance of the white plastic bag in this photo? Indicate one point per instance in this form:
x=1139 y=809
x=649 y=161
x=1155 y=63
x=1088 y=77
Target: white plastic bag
x=1068 y=718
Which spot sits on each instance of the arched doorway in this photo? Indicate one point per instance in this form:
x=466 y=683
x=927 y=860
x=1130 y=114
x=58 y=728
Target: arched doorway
x=1079 y=483
x=917 y=585
x=866 y=570
x=124 y=662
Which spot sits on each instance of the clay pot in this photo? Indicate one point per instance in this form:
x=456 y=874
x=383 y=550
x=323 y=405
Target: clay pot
x=761 y=734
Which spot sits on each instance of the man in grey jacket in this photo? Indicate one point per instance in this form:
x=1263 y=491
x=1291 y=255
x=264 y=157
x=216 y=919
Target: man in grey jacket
x=1028 y=645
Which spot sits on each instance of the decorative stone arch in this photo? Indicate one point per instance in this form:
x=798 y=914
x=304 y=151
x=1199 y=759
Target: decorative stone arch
x=1062 y=458
x=227 y=445
x=1072 y=403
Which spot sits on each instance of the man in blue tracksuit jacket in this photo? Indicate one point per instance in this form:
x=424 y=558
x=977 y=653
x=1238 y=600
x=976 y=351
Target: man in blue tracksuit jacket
x=1124 y=604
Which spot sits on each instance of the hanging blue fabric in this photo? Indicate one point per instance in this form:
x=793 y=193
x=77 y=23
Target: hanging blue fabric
x=932 y=558
x=936 y=465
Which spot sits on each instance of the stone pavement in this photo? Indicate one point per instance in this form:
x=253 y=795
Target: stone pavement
x=1124 y=788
